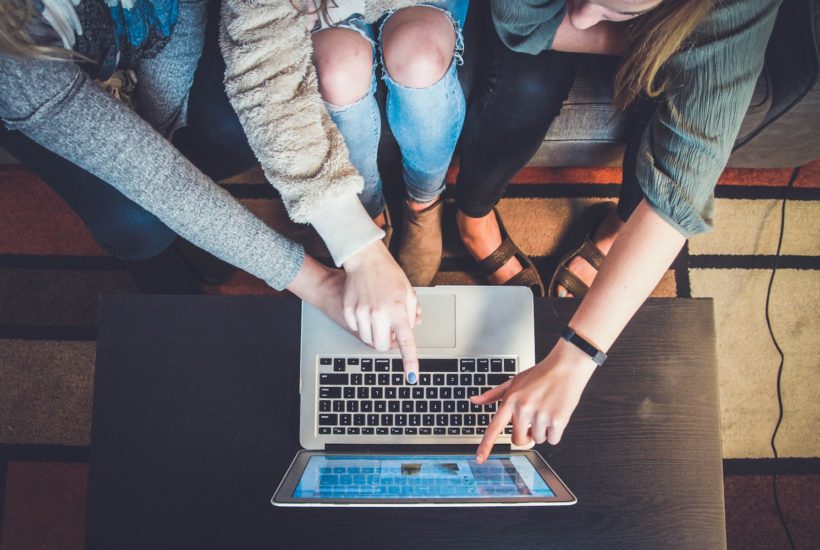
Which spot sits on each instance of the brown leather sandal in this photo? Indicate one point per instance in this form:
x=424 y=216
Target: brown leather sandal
x=582 y=231
x=528 y=276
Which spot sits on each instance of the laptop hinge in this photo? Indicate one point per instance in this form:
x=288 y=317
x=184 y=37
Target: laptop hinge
x=411 y=449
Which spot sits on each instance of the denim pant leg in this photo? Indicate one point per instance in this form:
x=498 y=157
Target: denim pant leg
x=360 y=125
x=427 y=121
x=123 y=228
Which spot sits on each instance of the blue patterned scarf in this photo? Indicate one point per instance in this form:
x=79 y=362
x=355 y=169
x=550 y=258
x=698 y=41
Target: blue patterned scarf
x=111 y=32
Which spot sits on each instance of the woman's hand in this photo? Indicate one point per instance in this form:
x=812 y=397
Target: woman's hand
x=539 y=401
x=380 y=305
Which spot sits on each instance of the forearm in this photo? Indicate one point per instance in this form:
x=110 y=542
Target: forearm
x=645 y=248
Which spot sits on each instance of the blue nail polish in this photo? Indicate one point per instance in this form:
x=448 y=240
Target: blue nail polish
x=411 y=377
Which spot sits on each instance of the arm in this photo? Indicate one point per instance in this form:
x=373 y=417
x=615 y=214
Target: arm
x=680 y=160
x=73 y=118
x=605 y=38
x=272 y=85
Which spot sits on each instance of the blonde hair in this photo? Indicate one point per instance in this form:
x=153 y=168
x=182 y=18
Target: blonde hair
x=653 y=38
x=15 y=39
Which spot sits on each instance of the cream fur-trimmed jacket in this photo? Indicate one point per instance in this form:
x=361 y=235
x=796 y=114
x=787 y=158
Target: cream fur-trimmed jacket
x=272 y=85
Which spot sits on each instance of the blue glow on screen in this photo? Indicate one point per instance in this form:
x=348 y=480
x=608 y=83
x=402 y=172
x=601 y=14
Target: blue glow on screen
x=436 y=476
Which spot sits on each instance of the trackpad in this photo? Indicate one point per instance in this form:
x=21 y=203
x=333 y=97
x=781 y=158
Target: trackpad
x=438 y=326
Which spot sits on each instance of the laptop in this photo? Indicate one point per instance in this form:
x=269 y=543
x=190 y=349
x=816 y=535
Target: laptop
x=372 y=439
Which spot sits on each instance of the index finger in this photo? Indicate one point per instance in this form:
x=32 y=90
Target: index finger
x=496 y=428
x=407 y=347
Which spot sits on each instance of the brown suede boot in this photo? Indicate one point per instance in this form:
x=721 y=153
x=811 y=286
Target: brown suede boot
x=420 y=245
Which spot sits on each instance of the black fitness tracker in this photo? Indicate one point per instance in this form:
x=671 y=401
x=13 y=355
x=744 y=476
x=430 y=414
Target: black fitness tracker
x=579 y=342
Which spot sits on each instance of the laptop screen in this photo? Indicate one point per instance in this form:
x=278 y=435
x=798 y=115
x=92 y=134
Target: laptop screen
x=419 y=476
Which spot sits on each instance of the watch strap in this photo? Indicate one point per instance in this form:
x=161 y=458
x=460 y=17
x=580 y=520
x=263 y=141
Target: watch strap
x=582 y=344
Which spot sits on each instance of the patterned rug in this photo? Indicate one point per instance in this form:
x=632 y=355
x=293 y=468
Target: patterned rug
x=52 y=272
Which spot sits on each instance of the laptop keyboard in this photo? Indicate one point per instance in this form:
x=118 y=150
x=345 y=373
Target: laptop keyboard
x=370 y=396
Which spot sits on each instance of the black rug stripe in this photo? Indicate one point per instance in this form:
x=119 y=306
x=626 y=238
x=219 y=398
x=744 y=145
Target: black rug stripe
x=264 y=190
x=71 y=263
x=3 y=468
x=683 y=286
x=765 y=466
x=52 y=333
x=728 y=261
x=28 y=452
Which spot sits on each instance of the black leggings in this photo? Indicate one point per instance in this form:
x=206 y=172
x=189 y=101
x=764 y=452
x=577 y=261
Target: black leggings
x=516 y=97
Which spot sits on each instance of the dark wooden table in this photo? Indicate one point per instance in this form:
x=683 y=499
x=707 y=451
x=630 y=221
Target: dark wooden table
x=195 y=422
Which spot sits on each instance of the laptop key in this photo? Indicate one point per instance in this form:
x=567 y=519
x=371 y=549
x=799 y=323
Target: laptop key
x=468 y=365
x=338 y=431
x=333 y=379
x=453 y=431
x=468 y=431
x=472 y=391
x=339 y=365
x=480 y=379
x=449 y=406
x=356 y=379
x=387 y=420
x=338 y=406
x=425 y=431
x=393 y=406
x=407 y=406
x=411 y=431
x=438 y=379
x=345 y=419
x=368 y=431
x=480 y=431
x=427 y=419
x=352 y=360
x=397 y=379
x=324 y=431
x=421 y=406
x=330 y=393
x=508 y=430
x=366 y=406
x=439 y=431
x=370 y=379
x=491 y=407
x=424 y=379
x=396 y=431
x=363 y=393
x=404 y=392
x=382 y=365
x=483 y=365
x=509 y=365
x=460 y=393
x=397 y=365
x=452 y=379
x=469 y=420
x=324 y=406
x=435 y=406
x=384 y=379
x=400 y=419
x=496 y=365
x=353 y=431
x=352 y=406
x=455 y=420
x=415 y=419
x=377 y=393
x=445 y=393
x=349 y=392
x=325 y=361
x=359 y=419
x=496 y=379
x=466 y=380
x=390 y=393
x=483 y=420
x=372 y=419
x=475 y=408
x=441 y=420
x=367 y=365
x=380 y=406
x=431 y=393
x=438 y=365
x=382 y=431
x=462 y=406
x=418 y=393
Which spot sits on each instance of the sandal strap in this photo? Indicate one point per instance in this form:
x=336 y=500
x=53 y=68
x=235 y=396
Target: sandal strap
x=591 y=254
x=492 y=263
x=527 y=277
x=570 y=281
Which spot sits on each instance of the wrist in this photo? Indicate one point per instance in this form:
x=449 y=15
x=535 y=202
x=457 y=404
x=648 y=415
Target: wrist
x=566 y=353
x=310 y=280
x=367 y=256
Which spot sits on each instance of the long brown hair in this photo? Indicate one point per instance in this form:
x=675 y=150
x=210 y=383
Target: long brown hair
x=15 y=39
x=653 y=38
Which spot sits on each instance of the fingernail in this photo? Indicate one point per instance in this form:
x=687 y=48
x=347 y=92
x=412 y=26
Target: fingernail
x=562 y=293
x=411 y=377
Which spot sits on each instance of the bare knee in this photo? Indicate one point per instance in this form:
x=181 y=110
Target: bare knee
x=344 y=63
x=418 y=45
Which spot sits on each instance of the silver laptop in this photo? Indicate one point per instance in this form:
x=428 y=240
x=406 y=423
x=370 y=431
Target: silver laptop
x=373 y=439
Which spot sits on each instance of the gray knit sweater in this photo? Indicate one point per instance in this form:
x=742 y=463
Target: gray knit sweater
x=55 y=104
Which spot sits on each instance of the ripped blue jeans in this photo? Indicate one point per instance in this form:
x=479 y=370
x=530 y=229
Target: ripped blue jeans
x=425 y=121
